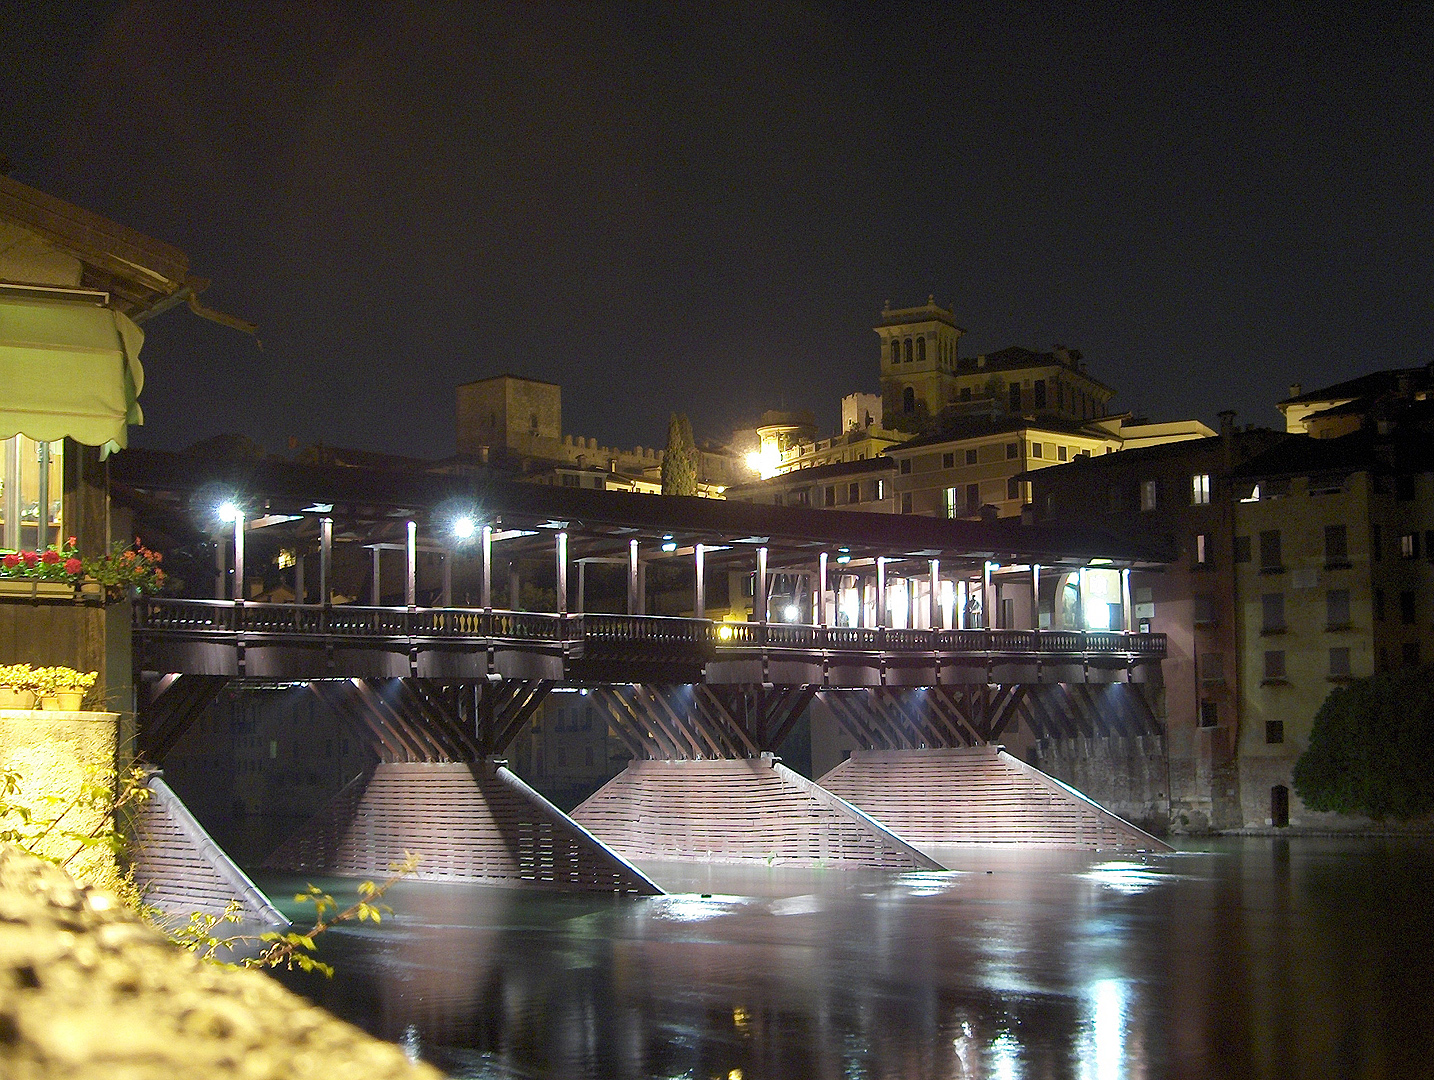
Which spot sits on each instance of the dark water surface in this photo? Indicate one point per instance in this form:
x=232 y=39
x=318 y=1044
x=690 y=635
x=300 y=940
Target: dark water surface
x=1255 y=957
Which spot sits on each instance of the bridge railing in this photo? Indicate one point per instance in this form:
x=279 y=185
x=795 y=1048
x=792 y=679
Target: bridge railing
x=201 y=619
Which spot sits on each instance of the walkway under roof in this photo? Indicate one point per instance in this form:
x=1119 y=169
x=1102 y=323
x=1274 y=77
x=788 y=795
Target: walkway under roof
x=179 y=496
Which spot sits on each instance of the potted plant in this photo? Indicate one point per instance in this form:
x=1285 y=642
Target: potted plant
x=17 y=686
x=126 y=571
x=55 y=571
x=63 y=687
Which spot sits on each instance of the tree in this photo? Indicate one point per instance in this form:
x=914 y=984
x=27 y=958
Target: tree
x=679 y=460
x=1371 y=747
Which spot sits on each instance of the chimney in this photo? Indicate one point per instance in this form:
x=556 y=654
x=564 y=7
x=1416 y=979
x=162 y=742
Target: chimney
x=1296 y=389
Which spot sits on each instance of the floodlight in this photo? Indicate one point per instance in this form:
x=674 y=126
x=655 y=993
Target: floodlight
x=464 y=527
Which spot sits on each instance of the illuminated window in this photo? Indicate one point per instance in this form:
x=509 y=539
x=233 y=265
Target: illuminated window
x=1409 y=546
x=32 y=475
x=950 y=502
x=1202 y=549
x=1200 y=489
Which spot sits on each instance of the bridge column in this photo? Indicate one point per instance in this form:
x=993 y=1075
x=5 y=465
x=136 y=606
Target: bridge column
x=988 y=595
x=759 y=590
x=1125 y=608
x=632 y=578
x=377 y=594
x=880 y=591
x=560 y=550
x=699 y=603
x=582 y=583
x=935 y=598
x=410 y=567
x=1035 y=596
x=821 y=606
x=487 y=581
x=326 y=558
x=238 y=586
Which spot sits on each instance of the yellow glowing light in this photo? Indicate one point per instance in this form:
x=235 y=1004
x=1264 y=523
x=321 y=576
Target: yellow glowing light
x=765 y=461
x=724 y=633
x=735 y=1074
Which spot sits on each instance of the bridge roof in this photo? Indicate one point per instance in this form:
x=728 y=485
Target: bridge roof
x=372 y=505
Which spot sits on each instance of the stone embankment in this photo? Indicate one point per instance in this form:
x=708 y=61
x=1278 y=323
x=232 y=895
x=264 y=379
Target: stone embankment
x=87 y=990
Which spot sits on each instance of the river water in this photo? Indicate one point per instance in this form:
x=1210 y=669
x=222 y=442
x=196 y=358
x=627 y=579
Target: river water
x=1249 y=957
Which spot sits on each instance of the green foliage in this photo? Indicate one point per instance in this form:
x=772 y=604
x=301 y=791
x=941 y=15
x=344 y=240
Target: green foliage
x=1370 y=748
x=679 y=460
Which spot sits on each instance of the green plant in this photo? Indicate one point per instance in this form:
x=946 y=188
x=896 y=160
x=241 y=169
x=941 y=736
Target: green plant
x=1370 y=747
x=58 y=562
x=127 y=569
x=17 y=677
x=680 y=459
x=47 y=681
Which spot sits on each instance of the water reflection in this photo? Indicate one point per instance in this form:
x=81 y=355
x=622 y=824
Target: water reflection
x=1241 y=960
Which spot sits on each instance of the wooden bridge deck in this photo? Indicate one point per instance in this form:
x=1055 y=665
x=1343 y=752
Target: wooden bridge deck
x=978 y=795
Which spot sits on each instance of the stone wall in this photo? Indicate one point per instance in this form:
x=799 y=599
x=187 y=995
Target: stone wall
x=1126 y=775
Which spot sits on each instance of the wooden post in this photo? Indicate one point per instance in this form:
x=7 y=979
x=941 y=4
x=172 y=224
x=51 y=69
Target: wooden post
x=377 y=591
x=326 y=559
x=935 y=597
x=410 y=582
x=880 y=591
x=632 y=577
x=822 y=589
x=759 y=587
x=1035 y=596
x=487 y=580
x=699 y=609
x=560 y=551
x=239 y=557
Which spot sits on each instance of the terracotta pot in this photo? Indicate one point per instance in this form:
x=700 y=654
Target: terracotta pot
x=65 y=700
x=10 y=698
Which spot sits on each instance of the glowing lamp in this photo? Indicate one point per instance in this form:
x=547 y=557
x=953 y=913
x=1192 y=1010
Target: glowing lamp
x=464 y=527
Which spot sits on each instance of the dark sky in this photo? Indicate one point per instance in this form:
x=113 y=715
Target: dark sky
x=703 y=208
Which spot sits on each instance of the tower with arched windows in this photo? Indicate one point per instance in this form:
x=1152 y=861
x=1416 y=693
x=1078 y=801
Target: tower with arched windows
x=918 y=364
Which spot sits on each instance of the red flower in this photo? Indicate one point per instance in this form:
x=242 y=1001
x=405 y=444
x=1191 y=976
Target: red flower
x=50 y=558
x=73 y=565
x=30 y=557
x=11 y=561
x=71 y=542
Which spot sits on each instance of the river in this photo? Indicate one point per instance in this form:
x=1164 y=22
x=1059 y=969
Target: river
x=1241 y=957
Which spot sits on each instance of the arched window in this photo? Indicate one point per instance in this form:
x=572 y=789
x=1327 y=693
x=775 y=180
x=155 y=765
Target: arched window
x=908 y=350
x=896 y=350
x=921 y=350
x=908 y=399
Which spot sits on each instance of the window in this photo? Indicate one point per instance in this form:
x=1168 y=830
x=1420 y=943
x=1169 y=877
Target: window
x=1406 y=607
x=1013 y=450
x=970 y=457
x=908 y=400
x=895 y=351
x=1015 y=395
x=905 y=467
x=1202 y=609
x=1200 y=489
x=1209 y=713
x=973 y=498
x=1201 y=549
x=1411 y=654
x=921 y=350
x=1013 y=488
x=1339 y=663
x=1147 y=494
x=1274 y=733
x=31 y=479
x=907 y=350
x=1271 y=560
x=853 y=493
x=1272 y=611
x=1336 y=609
x=906 y=502
x=1037 y=450
x=801 y=497
x=1212 y=667
x=949 y=501
x=1409 y=546
x=879 y=490
x=572 y=481
x=1336 y=546
x=777 y=499
x=830 y=499
x=948 y=461
x=1060 y=453
x=1040 y=393
x=1274 y=665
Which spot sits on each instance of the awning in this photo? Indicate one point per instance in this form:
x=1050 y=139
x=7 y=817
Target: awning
x=68 y=368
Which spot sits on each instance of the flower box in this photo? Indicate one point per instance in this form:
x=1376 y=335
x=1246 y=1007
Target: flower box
x=32 y=588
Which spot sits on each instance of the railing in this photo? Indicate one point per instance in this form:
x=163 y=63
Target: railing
x=210 y=619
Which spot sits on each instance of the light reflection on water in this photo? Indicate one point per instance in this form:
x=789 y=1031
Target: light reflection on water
x=1250 y=958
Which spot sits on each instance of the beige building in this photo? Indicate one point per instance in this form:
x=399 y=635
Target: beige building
x=1334 y=581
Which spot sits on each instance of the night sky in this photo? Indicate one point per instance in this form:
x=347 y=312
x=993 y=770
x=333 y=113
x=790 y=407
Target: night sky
x=679 y=207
